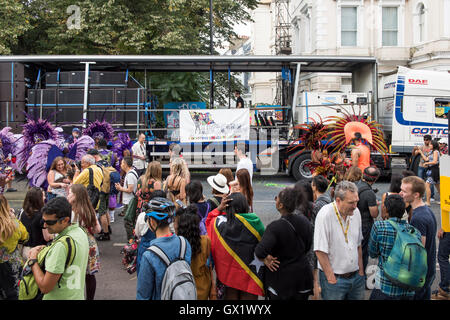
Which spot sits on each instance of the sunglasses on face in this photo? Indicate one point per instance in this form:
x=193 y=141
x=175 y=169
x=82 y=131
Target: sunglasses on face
x=51 y=222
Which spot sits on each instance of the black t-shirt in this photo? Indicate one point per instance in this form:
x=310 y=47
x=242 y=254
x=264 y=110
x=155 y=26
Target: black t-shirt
x=367 y=198
x=33 y=226
x=212 y=204
x=424 y=220
x=279 y=240
x=241 y=101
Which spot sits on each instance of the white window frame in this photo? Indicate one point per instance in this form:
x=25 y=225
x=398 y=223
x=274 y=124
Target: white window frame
x=400 y=4
x=416 y=23
x=359 y=4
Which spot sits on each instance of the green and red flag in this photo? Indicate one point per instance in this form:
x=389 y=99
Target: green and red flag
x=233 y=245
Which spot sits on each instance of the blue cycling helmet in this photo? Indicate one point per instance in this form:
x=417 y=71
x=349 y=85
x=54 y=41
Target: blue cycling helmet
x=160 y=209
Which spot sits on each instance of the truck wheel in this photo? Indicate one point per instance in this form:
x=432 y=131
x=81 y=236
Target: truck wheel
x=300 y=170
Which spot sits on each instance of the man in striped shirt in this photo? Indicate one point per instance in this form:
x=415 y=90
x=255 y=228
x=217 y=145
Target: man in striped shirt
x=382 y=238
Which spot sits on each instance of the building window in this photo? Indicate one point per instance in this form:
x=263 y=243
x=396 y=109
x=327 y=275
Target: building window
x=421 y=22
x=349 y=29
x=390 y=26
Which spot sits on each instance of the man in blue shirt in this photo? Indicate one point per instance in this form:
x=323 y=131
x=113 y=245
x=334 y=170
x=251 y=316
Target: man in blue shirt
x=412 y=191
x=152 y=268
x=381 y=242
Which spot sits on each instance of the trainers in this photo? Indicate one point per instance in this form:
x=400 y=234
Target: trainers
x=440 y=295
x=103 y=237
x=11 y=190
x=432 y=200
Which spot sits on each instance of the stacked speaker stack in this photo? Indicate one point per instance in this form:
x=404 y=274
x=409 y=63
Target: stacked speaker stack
x=111 y=97
x=14 y=80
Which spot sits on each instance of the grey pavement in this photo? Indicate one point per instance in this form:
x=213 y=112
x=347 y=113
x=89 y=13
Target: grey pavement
x=113 y=281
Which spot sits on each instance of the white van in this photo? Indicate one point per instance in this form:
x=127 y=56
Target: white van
x=413 y=103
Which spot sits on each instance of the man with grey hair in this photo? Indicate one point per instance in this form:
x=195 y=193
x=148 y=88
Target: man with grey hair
x=88 y=162
x=337 y=244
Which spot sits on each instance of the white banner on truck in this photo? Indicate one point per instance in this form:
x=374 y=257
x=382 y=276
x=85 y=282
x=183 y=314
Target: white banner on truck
x=214 y=125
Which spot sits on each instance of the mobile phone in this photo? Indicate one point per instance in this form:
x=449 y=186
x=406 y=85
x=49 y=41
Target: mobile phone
x=180 y=203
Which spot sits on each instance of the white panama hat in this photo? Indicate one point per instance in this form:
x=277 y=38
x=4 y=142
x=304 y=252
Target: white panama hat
x=219 y=183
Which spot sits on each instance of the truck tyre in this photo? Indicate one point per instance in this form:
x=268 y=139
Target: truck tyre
x=299 y=169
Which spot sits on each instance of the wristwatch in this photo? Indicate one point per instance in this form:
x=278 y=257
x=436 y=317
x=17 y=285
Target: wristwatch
x=31 y=262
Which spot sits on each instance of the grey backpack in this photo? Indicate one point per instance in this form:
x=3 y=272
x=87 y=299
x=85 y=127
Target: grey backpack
x=178 y=282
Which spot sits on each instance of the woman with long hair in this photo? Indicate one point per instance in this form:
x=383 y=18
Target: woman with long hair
x=12 y=233
x=243 y=185
x=57 y=179
x=432 y=170
x=194 y=191
x=228 y=174
x=175 y=183
x=83 y=213
x=186 y=224
x=354 y=174
x=305 y=199
x=31 y=216
x=283 y=249
x=234 y=234
x=149 y=182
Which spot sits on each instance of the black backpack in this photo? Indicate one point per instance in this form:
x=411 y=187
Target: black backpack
x=93 y=192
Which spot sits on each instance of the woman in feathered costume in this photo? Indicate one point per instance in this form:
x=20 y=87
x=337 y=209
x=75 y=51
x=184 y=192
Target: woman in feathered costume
x=7 y=158
x=329 y=159
x=39 y=145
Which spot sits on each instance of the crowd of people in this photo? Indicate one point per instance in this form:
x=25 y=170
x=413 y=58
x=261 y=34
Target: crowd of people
x=318 y=248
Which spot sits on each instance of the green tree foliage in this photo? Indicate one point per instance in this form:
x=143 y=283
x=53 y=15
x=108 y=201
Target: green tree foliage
x=128 y=27
x=14 y=22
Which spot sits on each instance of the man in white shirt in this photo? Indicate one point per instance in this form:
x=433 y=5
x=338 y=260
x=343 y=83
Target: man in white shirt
x=244 y=161
x=337 y=244
x=139 y=152
x=128 y=190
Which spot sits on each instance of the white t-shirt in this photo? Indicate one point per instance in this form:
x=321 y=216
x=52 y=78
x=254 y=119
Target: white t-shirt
x=329 y=238
x=139 y=150
x=130 y=178
x=141 y=227
x=246 y=163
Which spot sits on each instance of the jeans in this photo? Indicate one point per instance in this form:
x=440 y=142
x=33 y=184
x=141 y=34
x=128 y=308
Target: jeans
x=425 y=292
x=344 y=289
x=377 y=294
x=444 y=265
x=366 y=229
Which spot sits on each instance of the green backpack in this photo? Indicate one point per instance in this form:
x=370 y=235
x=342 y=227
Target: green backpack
x=406 y=265
x=28 y=288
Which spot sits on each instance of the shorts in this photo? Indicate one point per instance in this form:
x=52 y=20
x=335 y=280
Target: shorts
x=103 y=203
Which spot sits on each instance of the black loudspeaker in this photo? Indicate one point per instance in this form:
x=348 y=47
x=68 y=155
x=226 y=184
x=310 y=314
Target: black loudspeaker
x=17 y=72
x=106 y=113
x=68 y=114
x=12 y=111
x=110 y=79
x=101 y=96
x=51 y=79
x=12 y=91
x=34 y=97
x=127 y=96
x=71 y=96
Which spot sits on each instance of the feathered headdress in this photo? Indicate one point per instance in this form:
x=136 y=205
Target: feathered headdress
x=102 y=130
x=311 y=135
x=342 y=131
x=121 y=143
x=34 y=131
x=8 y=141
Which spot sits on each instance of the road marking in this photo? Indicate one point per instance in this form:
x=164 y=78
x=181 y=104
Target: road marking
x=119 y=244
x=134 y=278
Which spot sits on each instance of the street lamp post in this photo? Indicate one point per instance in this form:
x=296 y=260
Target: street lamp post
x=211 y=47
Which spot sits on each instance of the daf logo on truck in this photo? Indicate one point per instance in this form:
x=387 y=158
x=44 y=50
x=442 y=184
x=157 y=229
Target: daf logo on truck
x=418 y=81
